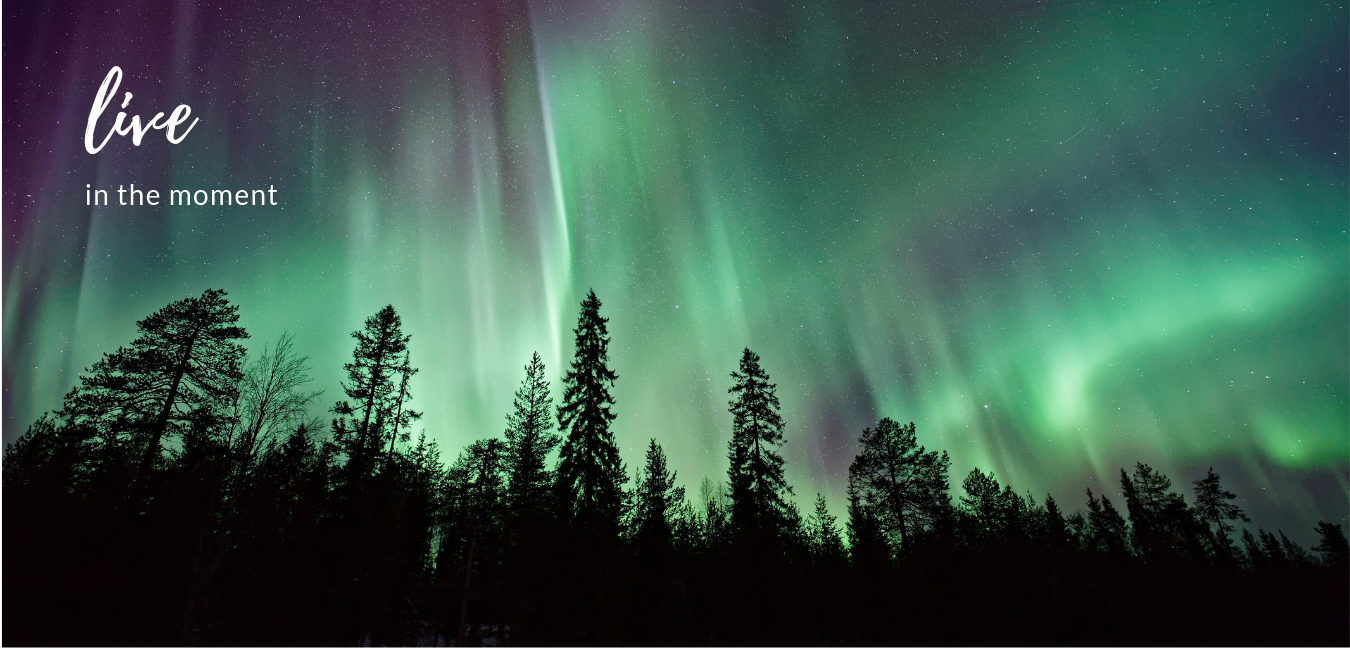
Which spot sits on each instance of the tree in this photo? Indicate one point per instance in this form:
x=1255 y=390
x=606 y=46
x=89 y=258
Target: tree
x=657 y=499
x=1107 y=530
x=529 y=441
x=377 y=406
x=981 y=507
x=1056 y=529
x=715 y=520
x=1161 y=523
x=1333 y=548
x=270 y=399
x=1212 y=507
x=181 y=372
x=1254 y=556
x=476 y=485
x=758 y=487
x=866 y=542
x=904 y=484
x=590 y=476
x=996 y=515
x=822 y=533
x=401 y=423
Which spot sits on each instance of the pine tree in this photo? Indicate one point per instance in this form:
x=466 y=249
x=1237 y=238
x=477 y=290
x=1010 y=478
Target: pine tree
x=657 y=499
x=1161 y=523
x=822 y=533
x=981 y=507
x=1332 y=546
x=529 y=441
x=758 y=487
x=589 y=475
x=904 y=484
x=1254 y=557
x=1271 y=549
x=1212 y=506
x=376 y=410
x=1106 y=528
x=1295 y=553
x=182 y=372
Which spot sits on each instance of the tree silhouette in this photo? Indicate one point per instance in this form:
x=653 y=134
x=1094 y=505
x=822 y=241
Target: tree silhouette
x=251 y=525
x=657 y=499
x=1212 y=506
x=182 y=370
x=271 y=400
x=904 y=484
x=1160 y=522
x=822 y=533
x=1332 y=546
x=400 y=424
x=1056 y=529
x=1107 y=530
x=529 y=441
x=377 y=406
x=590 y=476
x=476 y=484
x=866 y=541
x=758 y=489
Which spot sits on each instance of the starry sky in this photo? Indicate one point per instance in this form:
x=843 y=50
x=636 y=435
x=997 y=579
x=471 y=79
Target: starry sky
x=1060 y=237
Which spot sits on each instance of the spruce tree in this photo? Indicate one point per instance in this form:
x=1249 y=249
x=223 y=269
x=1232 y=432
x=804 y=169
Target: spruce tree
x=1056 y=529
x=657 y=499
x=589 y=475
x=529 y=441
x=903 y=483
x=822 y=532
x=758 y=488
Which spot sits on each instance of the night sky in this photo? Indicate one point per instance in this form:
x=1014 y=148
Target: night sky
x=1059 y=237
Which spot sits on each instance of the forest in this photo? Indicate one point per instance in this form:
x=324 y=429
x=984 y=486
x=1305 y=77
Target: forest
x=189 y=492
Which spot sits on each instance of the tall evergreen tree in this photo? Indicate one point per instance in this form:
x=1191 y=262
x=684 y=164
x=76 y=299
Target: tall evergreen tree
x=657 y=499
x=376 y=385
x=903 y=483
x=590 y=476
x=1212 y=507
x=758 y=488
x=529 y=441
x=180 y=373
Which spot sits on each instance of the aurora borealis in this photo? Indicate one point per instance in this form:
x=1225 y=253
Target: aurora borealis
x=1059 y=237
